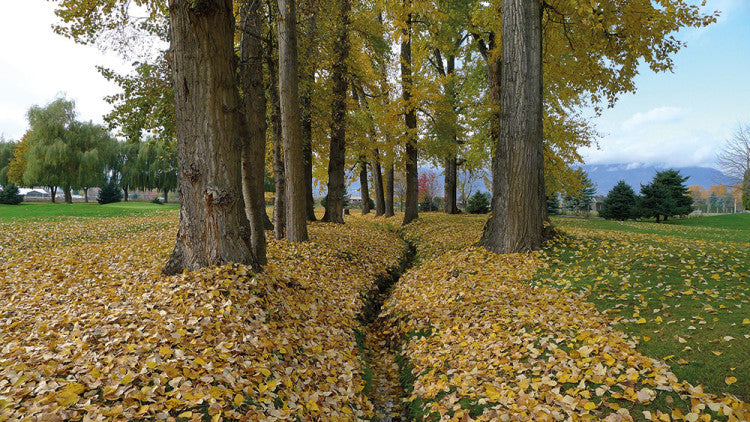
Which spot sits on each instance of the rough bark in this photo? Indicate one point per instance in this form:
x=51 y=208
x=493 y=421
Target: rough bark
x=279 y=202
x=86 y=195
x=166 y=196
x=450 y=185
x=294 y=164
x=410 y=117
x=214 y=229
x=254 y=144
x=517 y=221
x=52 y=193
x=125 y=194
x=389 y=186
x=377 y=183
x=363 y=186
x=336 y=159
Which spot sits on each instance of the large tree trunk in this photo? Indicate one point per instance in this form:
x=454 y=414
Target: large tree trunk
x=279 y=202
x=517 y=221
x=214 y=229
x=306 y=104
x=53 y=193
x=166 y=196
x=450 y=185
x=125 y=194
x=67 y=194
x=336 y=161
x=85 y=194
x=254 y=145
x=377 y=183
x=389 y=175
x=410 y=117
x=294 y=163
x=363 y=187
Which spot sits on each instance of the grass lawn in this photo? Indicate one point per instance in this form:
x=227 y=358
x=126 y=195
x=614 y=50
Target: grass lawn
x=49 y=211
x=681 y=289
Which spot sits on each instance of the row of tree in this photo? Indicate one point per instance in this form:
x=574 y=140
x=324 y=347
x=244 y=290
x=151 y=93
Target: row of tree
x=320 y=84
x=60 y=151
x=664 y=197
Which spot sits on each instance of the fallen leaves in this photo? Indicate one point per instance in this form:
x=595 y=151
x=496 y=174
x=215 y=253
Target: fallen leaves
x=89 y=327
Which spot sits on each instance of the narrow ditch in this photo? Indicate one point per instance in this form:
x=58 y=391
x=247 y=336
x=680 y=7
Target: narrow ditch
x=379 y=353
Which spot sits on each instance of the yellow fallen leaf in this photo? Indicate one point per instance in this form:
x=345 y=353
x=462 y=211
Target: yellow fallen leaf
x=746 y=321
x=312 y=406
x=589 y=405
x=238 y=400
x=730 y=380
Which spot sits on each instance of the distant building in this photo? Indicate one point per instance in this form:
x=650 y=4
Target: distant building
x=34 y=193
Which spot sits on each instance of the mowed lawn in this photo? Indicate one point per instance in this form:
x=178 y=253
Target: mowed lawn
x=681 y=289
x=49 y=211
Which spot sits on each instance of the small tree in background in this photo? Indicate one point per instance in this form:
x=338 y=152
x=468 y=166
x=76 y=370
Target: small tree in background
x=109 y=193
x=620 y=203
x=665 y=196
x=580 y=201
x=427 y=190
x=9 y=195
x=479 y=203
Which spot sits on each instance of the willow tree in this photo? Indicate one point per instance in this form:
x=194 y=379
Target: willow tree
x=214 y=229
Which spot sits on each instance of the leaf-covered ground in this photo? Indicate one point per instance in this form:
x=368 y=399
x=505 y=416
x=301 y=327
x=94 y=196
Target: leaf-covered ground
x=517 y=337
x=90 y=330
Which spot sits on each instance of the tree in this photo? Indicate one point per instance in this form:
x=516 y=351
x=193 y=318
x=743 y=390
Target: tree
x=620 y=203
x=296 y=202
x=337 y=155
x=665 y=196
x=410 y=119
x=699 y=195
x=734 y=157
x=746 y=190
x=6 y=155
x=518 y=200
x=579 y=201
x=9 y=195
x=427 y=189
x=17 y=164
x=214 y=229
x=108 y=194
x=364 y=188
x=479 y=203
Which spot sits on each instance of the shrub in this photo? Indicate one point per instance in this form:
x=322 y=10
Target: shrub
x=157 y=201
x=620 y=203
x=10 y=196
x=109 y=193
x=479 y=203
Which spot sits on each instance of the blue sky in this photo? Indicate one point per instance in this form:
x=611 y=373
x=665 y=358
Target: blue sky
x=674 y=119
x=683 y=118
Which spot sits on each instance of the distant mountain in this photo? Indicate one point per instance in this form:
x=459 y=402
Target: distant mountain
x=606 y=176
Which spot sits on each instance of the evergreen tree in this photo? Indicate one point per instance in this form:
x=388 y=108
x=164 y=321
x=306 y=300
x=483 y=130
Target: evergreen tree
x=665 y=196
x=620 y=203
x=580 y=201
x=9 y=195
x=479 y=203
x=109 y=193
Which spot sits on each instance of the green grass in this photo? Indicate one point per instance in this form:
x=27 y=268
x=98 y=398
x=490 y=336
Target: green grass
x=681 y=289
x=48 y=211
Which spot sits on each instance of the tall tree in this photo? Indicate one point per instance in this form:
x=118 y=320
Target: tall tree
x=294 y=165
x=410 y=119
x=518 y=201
x=310 y=29
x=254 y=145
x=214 y=229
x=6 y=155
x=377 y=183
x=277 y=139
x=734 y=158
x=337 y=154
x=363 y=186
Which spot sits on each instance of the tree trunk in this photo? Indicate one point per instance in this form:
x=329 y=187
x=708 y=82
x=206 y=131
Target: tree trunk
x=279 y=202
x=450 y=186
x=85 y=194
x=517 y=221
x=166 y=195
x=214 y=229
x=377 y=183
x=363 y=188
x=294 y=164
x=389 y=211
x=67 y=194
x=410 y=117
x=53 y=193
x=306 y=110
x=254 y=145
x=125 y=194
x=336 y=160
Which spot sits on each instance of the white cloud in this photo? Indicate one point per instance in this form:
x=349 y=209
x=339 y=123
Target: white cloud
x=656 y=115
